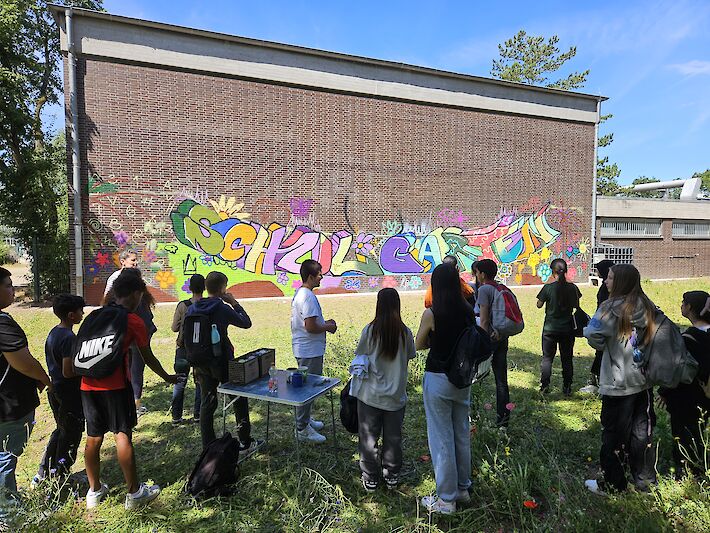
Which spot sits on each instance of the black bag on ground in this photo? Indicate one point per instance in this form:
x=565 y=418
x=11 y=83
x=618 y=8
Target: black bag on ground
x=216 y=470
x=348 y=410
x=197 y=337
x=472 y=348
x=98 y=347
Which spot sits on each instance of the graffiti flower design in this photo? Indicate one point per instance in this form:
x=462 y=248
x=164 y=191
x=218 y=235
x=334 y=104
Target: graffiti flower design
x=229 y=208
x=415 y=282
x=362 y=244
x=352 y=283
x=102 y=259
x=91 y=271
x=571 y=251
x=505 y=270
x=186 y=286
x=544 y=272
x=206 y=260
x=165 y=278
x=149 y=256
x=584 y=247
x=121 y=238
x=282 y=278
x=373 y=282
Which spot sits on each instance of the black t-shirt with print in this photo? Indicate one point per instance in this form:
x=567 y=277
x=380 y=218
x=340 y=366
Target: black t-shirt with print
x=18 y=393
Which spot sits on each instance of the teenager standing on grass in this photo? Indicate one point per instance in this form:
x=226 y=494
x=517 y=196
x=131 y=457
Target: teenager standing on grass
x=197 y=288
x=129 y=259
x=108 y=402
x=625 y=320
x=21 y=376
x=689 y=404
x=308 y=329
x=382 y=396
x=560 y=298
x=65 y=395
x=446 y=406
x=485 y=272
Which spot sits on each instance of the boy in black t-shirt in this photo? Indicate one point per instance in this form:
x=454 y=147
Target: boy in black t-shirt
x=20 y=377
x=65 y=397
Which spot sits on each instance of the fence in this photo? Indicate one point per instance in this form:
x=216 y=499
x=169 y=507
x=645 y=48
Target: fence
x=50 y=267
x=621 y=255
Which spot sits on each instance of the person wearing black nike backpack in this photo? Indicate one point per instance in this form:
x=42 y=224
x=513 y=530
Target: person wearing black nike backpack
x=101 y=359
x=207 y=317
x=688 y=404
x=182 y=367
x=446 y=405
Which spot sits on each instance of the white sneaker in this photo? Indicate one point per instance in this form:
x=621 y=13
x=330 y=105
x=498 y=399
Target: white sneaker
x=254 y=445
x=593 y=486
x=316 y=424
x=94 y=498
x=589 y=389
x=434 y=504
x=143 y=495
x=308 y=434
x=463 y=496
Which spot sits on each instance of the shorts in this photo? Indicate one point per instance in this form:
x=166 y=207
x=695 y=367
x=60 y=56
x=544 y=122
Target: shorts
x=109 y=411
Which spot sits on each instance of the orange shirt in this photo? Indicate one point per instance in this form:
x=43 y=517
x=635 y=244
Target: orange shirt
x=466 y=292
x=135 y=332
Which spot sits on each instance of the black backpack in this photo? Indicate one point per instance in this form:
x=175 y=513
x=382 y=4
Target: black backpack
x=197 y=338
x=348 y=410
x=98 y=347
x=217 y=470
x=472 y=347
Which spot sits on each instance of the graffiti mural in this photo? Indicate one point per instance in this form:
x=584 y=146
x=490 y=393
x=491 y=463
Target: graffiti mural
x=200 y=234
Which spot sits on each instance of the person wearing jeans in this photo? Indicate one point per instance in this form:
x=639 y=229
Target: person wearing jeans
x=178 y=400
x=446 y=406
x=560 y=298
x=21 y=376
x=208 y=385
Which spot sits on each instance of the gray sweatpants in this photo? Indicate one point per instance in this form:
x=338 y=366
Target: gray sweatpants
x=373 y=422
x=315 y=366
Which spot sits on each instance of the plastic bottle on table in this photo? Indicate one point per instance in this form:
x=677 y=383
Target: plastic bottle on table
x=273 y=381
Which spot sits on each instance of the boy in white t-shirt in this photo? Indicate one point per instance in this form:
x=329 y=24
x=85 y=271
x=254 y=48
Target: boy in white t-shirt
x=308 y=341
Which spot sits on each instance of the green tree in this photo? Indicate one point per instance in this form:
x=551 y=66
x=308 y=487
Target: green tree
x=528 y=59
x=31 y=198
x=705 y=178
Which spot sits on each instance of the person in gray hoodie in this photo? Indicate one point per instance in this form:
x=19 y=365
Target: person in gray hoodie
x=620 y=328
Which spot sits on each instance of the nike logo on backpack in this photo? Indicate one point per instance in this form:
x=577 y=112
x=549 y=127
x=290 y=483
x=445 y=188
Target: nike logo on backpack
x=92 y=348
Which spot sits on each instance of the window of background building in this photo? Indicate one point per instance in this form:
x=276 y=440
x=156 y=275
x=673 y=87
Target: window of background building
x=633 y=228
x=691 y=230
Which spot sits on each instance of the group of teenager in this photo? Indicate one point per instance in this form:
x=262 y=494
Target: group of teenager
x=114 y=404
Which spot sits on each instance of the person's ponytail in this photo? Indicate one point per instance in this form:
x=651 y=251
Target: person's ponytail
x=565 y=297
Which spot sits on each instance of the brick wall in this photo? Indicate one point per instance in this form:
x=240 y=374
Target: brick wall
x=666 y=257
x=154 y=140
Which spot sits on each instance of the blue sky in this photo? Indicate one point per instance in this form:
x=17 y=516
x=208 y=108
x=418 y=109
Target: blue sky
x=651 y=58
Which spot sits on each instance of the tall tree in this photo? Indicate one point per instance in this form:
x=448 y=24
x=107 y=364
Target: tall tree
x=528 y=59
x=29 y=80
x=705 y=178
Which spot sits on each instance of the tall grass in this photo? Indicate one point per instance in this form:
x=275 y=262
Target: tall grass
x=550 y=448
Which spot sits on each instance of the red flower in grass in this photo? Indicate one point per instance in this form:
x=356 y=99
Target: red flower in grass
x=530 y=504
x=424 y=458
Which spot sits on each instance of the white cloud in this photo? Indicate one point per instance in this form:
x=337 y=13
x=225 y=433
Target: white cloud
x=692 y=68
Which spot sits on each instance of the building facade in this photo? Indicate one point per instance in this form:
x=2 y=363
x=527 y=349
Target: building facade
x=204 y=152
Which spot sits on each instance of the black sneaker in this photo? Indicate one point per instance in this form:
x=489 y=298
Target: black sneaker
x=369 y=486
x=544 y=389
x=567 y=390
x=391 y=482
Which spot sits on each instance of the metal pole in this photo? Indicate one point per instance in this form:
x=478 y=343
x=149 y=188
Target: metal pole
x=35 y=269
x=75 y=157
x=594 y=179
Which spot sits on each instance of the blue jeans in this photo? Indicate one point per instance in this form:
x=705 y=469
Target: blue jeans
x=13 y=439
x=447 y=408
x=179 y=392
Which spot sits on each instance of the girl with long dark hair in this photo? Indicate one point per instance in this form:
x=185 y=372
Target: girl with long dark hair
x=622 y=324
x=688 y=404
x=446 y=406
x=560 y=298
x=382 y=396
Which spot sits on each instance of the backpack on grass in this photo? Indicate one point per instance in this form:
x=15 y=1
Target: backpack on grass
x=471 y=351
x=506 y=316
x=665 y=361
x=98 y=347
x=216 y=471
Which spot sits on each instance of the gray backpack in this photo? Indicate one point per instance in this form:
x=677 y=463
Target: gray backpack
x=666 y=361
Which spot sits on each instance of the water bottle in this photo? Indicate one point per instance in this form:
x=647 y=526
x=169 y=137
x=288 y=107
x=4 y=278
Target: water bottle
x=216 y=342
x=273 y=381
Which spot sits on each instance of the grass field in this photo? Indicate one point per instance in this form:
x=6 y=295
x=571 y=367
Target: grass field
x=551 y=447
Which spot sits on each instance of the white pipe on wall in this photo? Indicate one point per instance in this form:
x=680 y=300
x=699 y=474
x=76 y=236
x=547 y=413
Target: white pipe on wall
x=76 y=161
